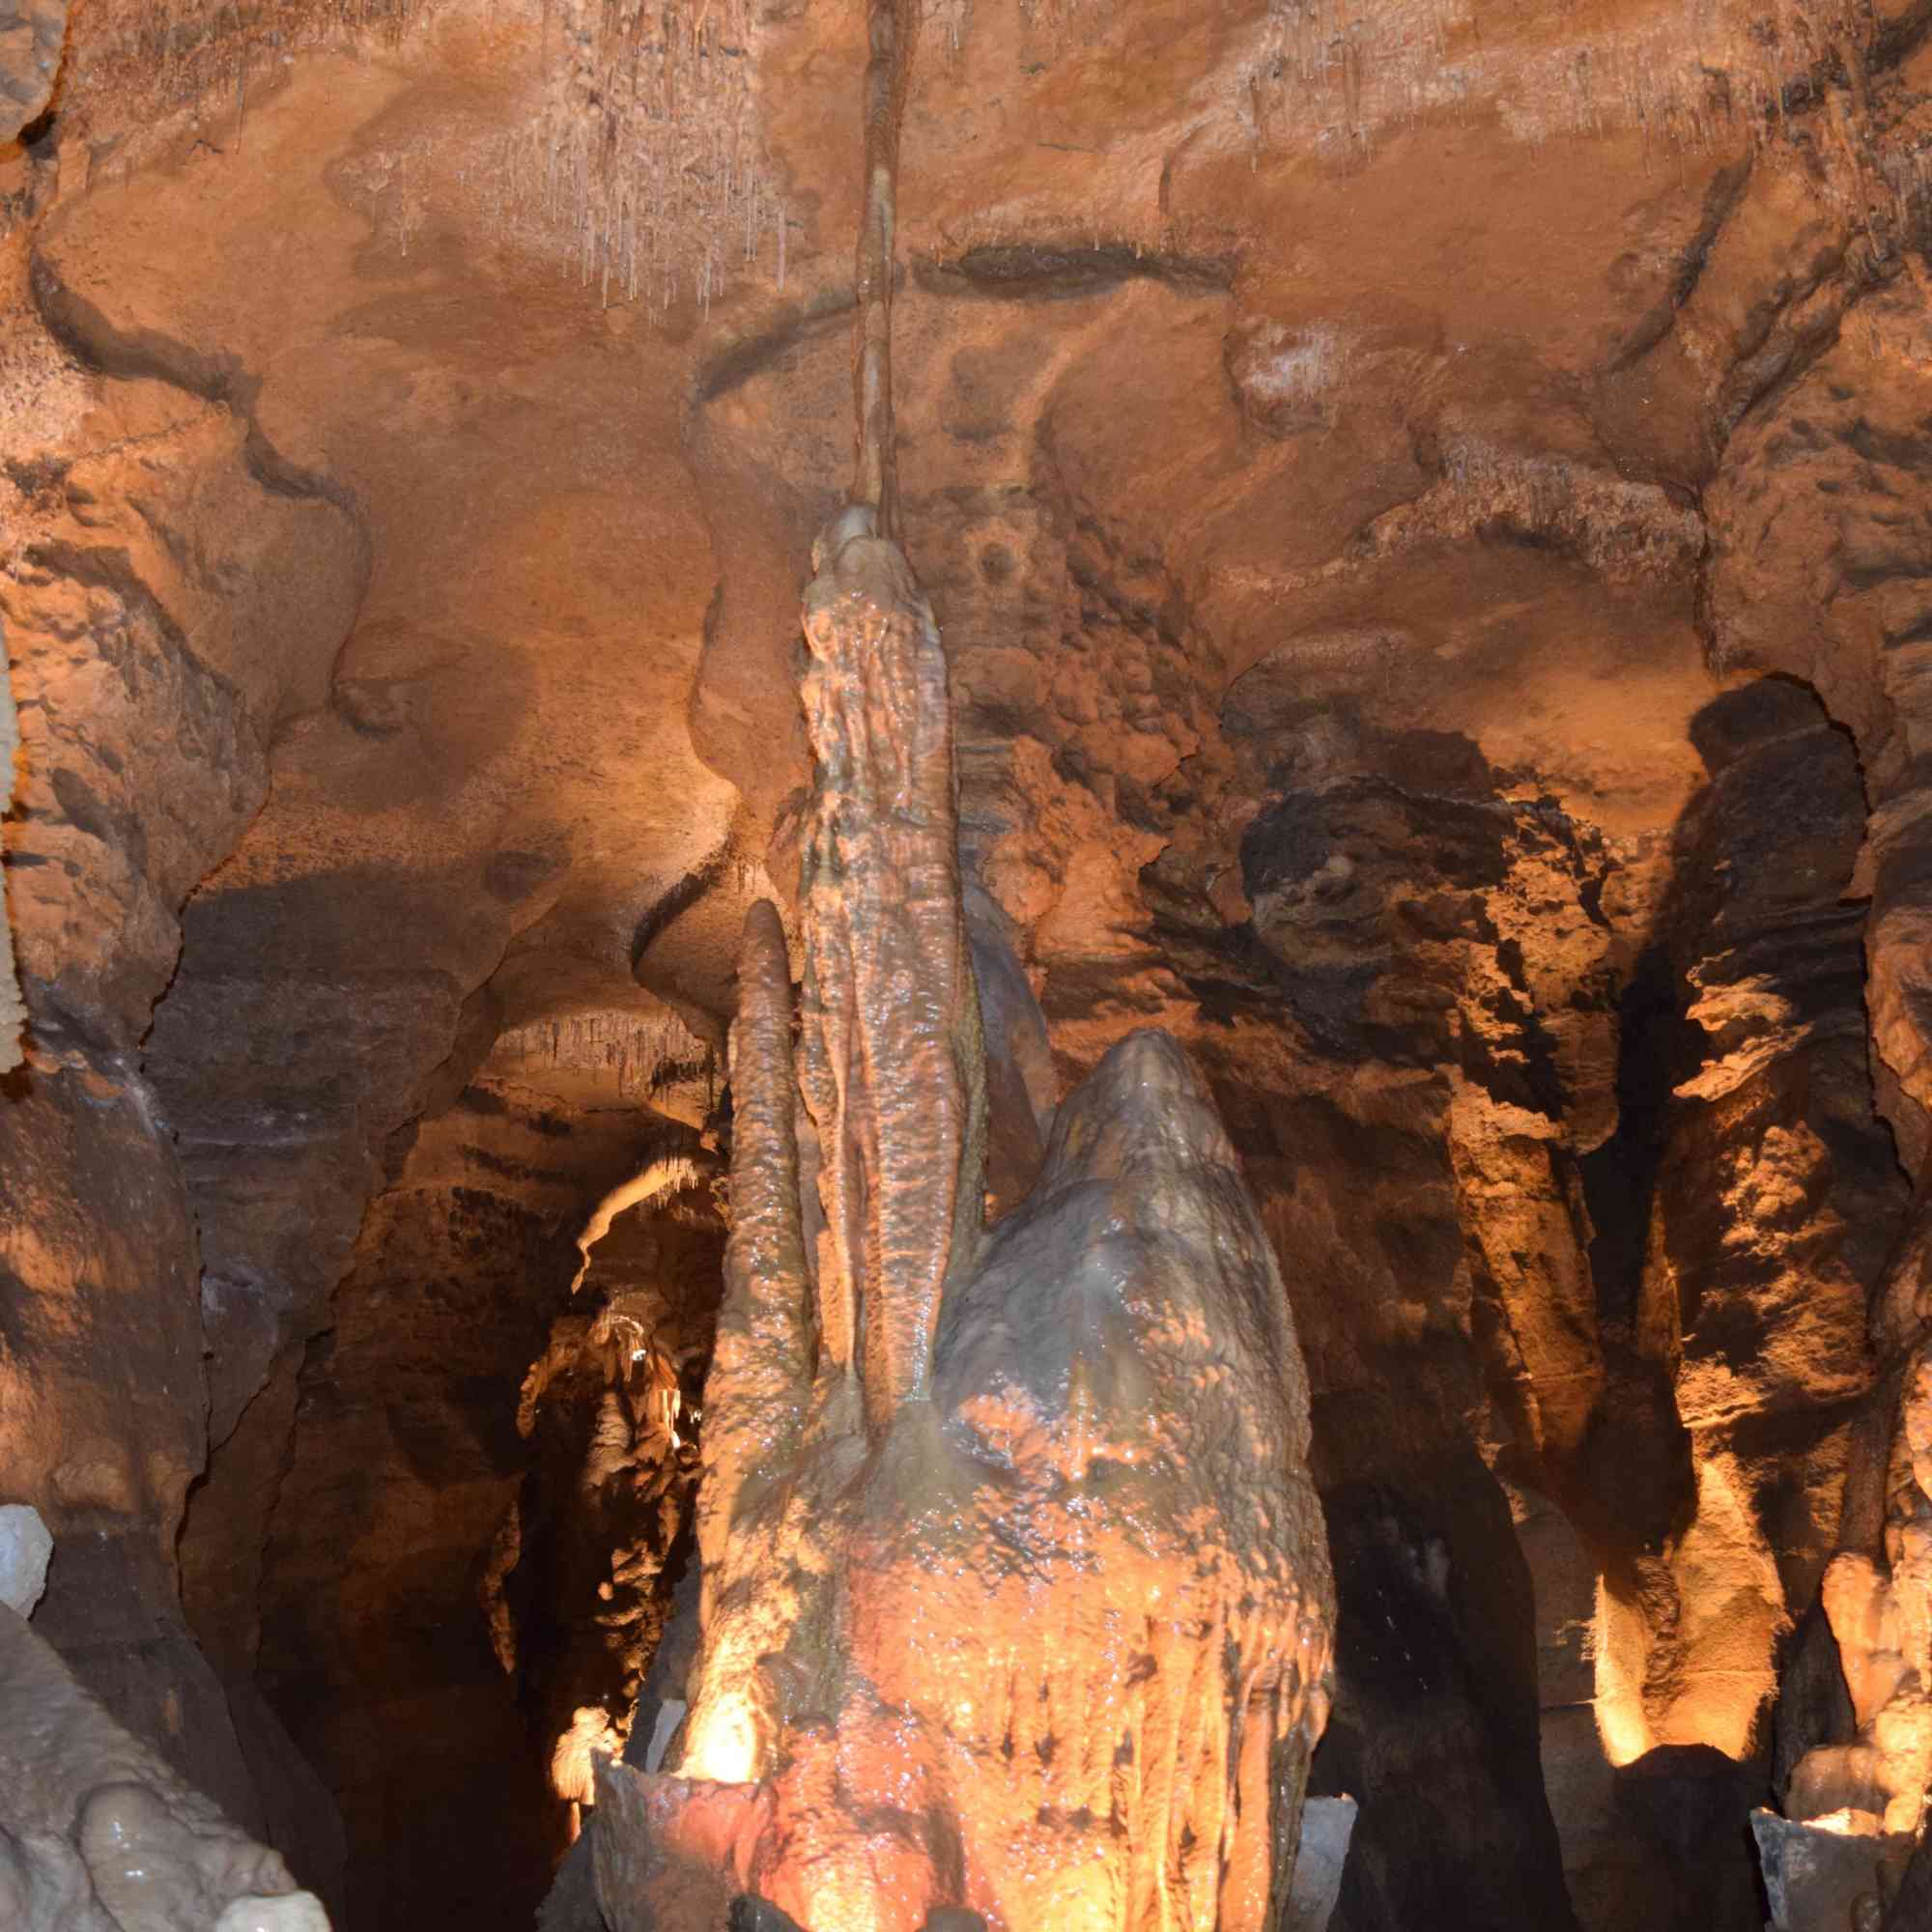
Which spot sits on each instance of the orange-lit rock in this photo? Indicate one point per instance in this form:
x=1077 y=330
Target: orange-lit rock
x=1348 y=446
x=1866 y=664
x=1775 y=1196
x=1017 y=1596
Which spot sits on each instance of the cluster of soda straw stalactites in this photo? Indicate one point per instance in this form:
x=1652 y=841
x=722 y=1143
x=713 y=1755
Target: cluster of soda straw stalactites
x=206 y=54
x=647 y=160
x=641 y=1055
x=1682 y=72
x=644 y=160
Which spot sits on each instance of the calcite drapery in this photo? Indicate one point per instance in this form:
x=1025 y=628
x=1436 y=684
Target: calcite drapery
x=1017 y=1596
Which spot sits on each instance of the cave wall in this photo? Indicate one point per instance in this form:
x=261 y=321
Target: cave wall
x=613 y=1411
x=1775 y=1198
x=150 y=669
x=1830 y=460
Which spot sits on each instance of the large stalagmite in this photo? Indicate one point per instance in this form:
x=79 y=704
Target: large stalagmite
x=1017 y=1596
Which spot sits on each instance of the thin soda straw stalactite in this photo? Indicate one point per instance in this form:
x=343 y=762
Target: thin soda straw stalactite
x=892 y=27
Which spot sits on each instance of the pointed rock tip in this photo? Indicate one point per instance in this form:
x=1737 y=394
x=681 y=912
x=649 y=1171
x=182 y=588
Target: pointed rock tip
x=1151 y=1060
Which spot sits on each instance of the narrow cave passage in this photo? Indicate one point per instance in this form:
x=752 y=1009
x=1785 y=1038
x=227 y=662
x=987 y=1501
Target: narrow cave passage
x=504 y=1415
x=1171 y=1181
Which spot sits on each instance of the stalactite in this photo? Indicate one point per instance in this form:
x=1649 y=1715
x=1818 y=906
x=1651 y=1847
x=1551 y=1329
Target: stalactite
x=894 y=1086
x=13 y=1014
x=643 y=1055
x=892 y=27
x=1351 y=72
x=646 y=149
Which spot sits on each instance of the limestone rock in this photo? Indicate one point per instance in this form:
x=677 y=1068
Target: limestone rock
x=25 y=1546
x=532 y=1560
x=30 y=33
x=1312 y=419
x=292 y=1912
x=1097 y=1407
x=1819 y=1879
x=97 y=1832
x=1326 y=1826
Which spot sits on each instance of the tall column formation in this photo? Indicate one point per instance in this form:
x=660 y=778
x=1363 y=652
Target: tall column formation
x=1016 y=1595
x=889 y=988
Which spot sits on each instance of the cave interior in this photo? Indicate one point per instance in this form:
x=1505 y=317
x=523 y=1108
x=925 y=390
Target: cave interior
x=1428 y=509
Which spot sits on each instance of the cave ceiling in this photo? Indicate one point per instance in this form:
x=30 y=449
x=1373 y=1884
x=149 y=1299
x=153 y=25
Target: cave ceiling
x=1273 y=388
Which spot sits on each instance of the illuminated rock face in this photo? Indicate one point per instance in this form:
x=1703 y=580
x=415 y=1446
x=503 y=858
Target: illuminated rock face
x=1016 y=1592
x=1774 y=1201
x=1867 y=660
x=1323 y=692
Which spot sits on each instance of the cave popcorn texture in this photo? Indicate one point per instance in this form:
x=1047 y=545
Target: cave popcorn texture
x=1017 y=1596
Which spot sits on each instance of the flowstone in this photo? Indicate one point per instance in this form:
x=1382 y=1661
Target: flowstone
x=1016 y=1595
x=97 y=1834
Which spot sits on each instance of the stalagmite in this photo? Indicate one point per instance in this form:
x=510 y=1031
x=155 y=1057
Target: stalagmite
x=1016 y=1594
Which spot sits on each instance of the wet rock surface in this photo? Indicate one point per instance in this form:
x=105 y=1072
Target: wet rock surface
x=98 y=1833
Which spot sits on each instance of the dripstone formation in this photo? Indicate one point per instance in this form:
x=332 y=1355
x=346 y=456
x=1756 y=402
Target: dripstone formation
x=1016 y=1593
